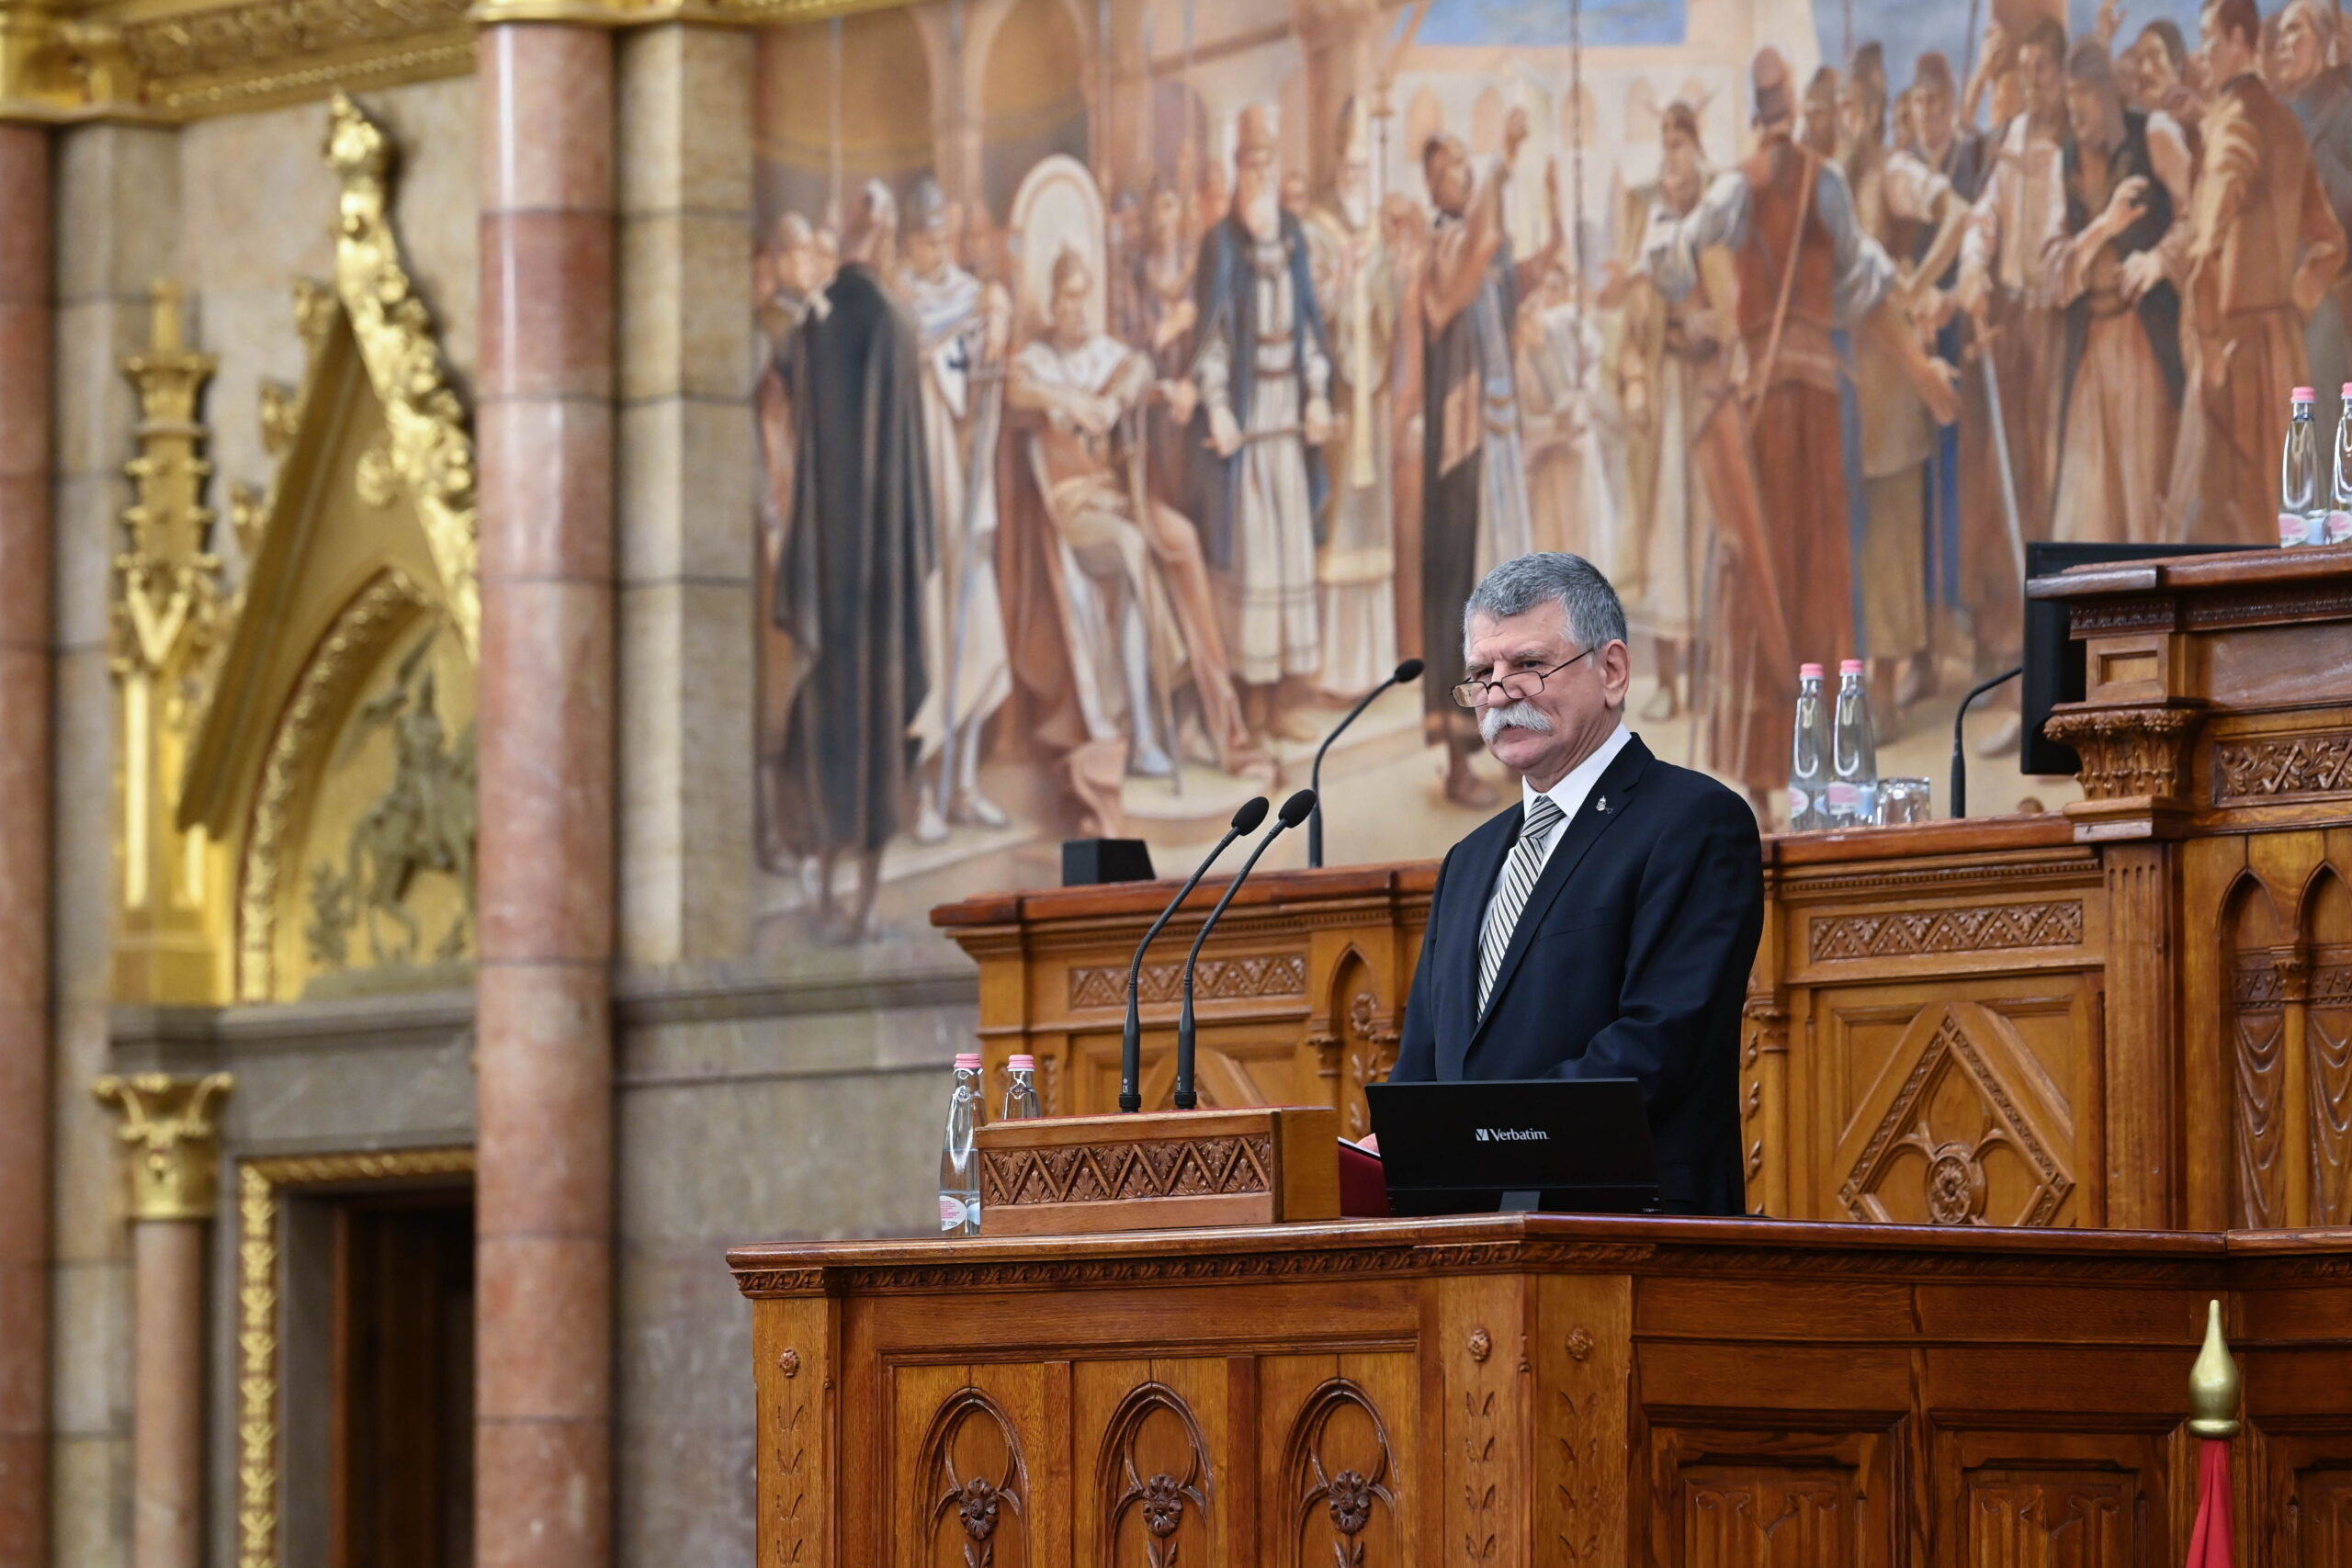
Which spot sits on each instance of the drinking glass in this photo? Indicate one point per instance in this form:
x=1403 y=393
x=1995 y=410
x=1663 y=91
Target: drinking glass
x=1904 y=800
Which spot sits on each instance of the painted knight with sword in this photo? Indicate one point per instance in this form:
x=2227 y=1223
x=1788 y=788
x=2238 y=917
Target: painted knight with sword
x=964 y=326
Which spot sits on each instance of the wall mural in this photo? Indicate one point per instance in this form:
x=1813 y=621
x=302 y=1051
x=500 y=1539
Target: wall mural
x=1138 y=380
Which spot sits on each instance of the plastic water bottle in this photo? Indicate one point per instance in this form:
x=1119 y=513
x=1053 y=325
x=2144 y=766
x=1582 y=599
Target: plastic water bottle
x=2339 y=517
x=1021 y=1089
x=1853 y=753
x=959 y=1165
x=1809 y=756
x=2302 y=508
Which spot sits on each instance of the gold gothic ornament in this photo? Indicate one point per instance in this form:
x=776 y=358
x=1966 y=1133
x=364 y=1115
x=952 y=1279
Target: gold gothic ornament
x=168 y=1130
x=168 y=620
x=430 y=448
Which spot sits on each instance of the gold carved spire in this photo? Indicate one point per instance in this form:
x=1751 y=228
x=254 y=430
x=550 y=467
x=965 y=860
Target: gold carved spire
x=167 y=622
x=430 y=448
x=2213 y=1383
x=168 y=1131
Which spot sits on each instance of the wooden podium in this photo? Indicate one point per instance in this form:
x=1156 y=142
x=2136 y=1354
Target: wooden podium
x=2135 y=1014
x=1532 y=1390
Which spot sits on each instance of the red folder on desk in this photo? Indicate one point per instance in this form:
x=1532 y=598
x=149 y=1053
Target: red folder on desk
x=1363 y=1184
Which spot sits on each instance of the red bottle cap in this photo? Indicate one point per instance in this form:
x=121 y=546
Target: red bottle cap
x=1849 y=666
x=1808 y=672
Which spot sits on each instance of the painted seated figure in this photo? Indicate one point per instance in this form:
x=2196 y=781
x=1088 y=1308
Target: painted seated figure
x=1119 y=637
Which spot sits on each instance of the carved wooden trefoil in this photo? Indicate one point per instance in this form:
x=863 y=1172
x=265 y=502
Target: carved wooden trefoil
x=1153 y=1484
x=972 y=1487
x=1339 y=1471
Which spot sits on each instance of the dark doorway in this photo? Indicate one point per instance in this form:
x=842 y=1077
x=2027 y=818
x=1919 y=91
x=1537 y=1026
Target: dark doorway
x=401 y=1426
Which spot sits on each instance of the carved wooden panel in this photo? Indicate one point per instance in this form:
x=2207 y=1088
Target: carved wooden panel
x=795 y=1374
x=1260 y=975
x=2277 y=767
x=2258 y=954
x=2327 y=1042
x=1484 y=1519
x=968 y=1504
x=1757 y=1516
x=1963 y=1126
x=1982 y=928
x=1771 y=1499
x=2317 y=1520
x=2049 y=1520
x=1154 y=1485
x=1340 y=1483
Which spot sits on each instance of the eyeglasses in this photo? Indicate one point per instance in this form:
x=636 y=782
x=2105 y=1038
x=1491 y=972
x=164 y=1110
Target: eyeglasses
x=1517 y=686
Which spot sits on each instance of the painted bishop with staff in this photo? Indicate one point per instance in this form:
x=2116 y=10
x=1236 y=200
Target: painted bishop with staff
x=1264 y=375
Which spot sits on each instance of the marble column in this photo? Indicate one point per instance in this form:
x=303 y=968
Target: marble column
x=544 y=1283
x=26 y=838
x=168 y=1134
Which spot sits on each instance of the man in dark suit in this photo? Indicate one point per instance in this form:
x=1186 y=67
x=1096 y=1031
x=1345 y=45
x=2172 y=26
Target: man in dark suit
x=1603 y=925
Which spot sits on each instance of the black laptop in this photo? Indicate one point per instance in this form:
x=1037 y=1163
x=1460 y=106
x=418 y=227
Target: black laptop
x=1556 y=1144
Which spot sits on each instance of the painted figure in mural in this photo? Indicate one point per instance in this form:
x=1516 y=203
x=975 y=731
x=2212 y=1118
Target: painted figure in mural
x=1908 y=208
x=850 y=588
x=2127 y=205
x=963 y=325
x=1672 y=364
x=1164 y=315
x=1956 y=491
x=2262 y=253
x=1114 y=620
x=1805 y=268
x=2319 y=89
x=1264 y=373
x=1357 y=564
x=2009 y=291
x=785 y=289
x=1569 y=422
x=1474 y=506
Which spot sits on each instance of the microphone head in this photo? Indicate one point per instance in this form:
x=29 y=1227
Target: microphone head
x=1409 y=671
x=1297 y=808
x=1253 y=812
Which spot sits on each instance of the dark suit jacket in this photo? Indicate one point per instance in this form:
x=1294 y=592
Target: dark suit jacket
x=1630 y=961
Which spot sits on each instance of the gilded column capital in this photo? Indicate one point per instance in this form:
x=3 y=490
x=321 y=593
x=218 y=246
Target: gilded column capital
x=168 y=1128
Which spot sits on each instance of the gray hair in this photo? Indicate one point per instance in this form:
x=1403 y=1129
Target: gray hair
x=1595 y=617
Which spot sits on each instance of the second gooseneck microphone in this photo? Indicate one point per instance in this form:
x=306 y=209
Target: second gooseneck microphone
x=1253 y=812
x=1295 y=811
x=1409 y=672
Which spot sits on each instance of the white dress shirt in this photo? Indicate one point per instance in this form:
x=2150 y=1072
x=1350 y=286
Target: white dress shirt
x=1568 y=794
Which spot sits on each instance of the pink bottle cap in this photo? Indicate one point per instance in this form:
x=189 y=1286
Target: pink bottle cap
x=2348 y=389
x=1849 y=666
x=2305 y=395
x=1022 y=1065
x=967 y=1061
x=1808 y=672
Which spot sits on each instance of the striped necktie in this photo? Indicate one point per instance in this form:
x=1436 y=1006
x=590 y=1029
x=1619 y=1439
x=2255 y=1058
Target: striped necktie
x=1519 y=880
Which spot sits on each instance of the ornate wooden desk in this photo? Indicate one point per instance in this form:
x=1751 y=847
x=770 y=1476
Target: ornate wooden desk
x=2138 y=1013
x=1540 y=1390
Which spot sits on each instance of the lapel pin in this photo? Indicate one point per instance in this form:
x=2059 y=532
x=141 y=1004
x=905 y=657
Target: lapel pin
x=1602 y=804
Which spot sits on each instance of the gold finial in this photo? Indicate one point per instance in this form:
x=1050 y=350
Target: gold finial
x=2213 y=1383
x=167 y=1125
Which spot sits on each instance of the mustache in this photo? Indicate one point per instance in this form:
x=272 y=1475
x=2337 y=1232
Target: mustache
x=1515 y=715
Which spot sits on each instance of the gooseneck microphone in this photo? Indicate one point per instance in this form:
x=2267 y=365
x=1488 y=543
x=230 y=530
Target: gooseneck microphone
x=1295 y=811
x=1253 y=812
x=1960 y=758
x=1407 y=671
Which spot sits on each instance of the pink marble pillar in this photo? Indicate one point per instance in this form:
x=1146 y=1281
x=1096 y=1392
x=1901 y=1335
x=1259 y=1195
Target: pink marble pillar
x=543 y=1457
x=26 y=839
x=168 y=1394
